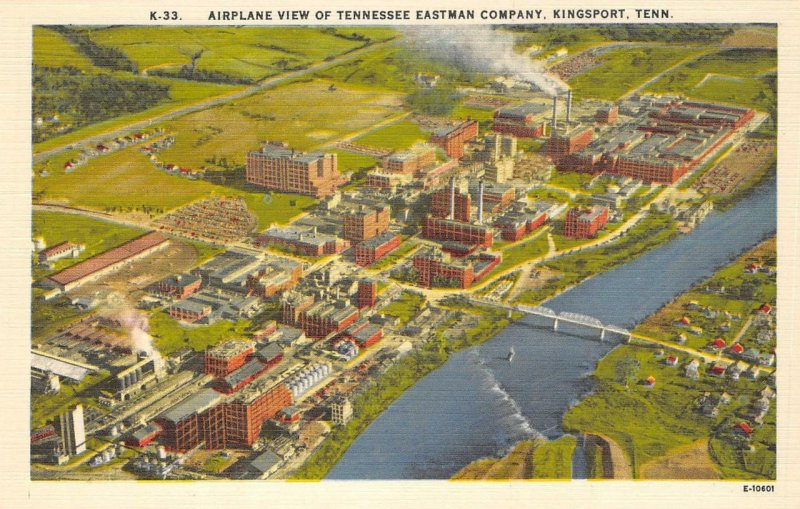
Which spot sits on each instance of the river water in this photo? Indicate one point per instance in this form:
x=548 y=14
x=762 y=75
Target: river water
x=478 y=404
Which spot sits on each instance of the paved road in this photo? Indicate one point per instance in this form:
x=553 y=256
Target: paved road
x=204 y=104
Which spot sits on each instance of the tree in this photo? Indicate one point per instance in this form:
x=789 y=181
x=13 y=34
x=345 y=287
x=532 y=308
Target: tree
x=627 y=371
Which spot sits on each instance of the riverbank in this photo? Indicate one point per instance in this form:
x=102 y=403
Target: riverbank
x=397 y=379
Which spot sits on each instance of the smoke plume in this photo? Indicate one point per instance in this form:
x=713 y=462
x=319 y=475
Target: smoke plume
x=479 y=48
x=135 y=324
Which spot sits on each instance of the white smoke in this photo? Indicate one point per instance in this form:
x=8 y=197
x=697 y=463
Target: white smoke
x=136 y=325
x=480 y=48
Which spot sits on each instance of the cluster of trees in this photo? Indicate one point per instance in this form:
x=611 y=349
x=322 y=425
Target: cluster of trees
x=101 y=56
x=433 y=101
x=87 y=99
x=189 y=72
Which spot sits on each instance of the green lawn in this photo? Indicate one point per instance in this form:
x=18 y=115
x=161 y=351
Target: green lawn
x=523 y=252
x=349 y=162
x=47 y=406
x=397 y=136
x=624 y=69
x=395 y=256
x=571 y=180
x=553 y=459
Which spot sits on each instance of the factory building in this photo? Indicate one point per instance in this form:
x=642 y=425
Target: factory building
x=278 y=167
x=224 y=358
x=436 y=268
x=523 y=121
x=445 y=229
x=607 y=114
x=326 y=317
x=455 y=194
x=497 y=146
x=365 y=222
x=583 y=223
x=304 y=241
x=69 y=427
x=341 y=410
x=189 y=311
x=293 y=304
x=247 y=411
x=452 y=139
x=569 y=140
x=182 y=425
x=178 y=286
x=411 y=161
x=515 y=225
x=367 y=293
x=372 y=250
x=138 y=377
x=496 y=196
x=107 y=262
x=59 y=251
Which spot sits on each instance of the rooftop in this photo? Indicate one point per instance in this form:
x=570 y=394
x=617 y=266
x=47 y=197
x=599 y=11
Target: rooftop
x=195 y=404
x=230 y=349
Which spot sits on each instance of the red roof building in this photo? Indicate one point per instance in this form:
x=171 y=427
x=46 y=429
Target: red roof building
x=718 y=343
x=745 y=429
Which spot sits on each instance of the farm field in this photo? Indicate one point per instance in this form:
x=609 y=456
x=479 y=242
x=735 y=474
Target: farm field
x=95 y=185
x=51 y=49
x=252 y=53
x=304 y=115
x=737 y=76
x=622 y=70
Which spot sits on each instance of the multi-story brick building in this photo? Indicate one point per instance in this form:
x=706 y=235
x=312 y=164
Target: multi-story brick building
x=568 y=141
x=435 y=268
x=452 y=139
x=367 y=293
x=462 y=204
x=445 y=229
x=524 y=120
x=607 y=114
x=583 y=223
x=304 y=241
x=274 y=277
x=412 y=160
x=278 y=167
x=247 y=411
x=325 y=317
x=514 y=226
x=366 y=222
x=179 y=286
x=372 y=250
x=293 y=304
x=226 y=357
x=189 y=311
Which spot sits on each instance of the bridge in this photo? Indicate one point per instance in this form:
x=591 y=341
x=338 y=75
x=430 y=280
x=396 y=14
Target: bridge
x=574 y=318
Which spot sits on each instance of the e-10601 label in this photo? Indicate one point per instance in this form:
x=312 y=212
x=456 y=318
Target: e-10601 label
x=758 y=488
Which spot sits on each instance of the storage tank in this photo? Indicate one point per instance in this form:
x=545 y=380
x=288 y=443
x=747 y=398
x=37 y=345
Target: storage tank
x=162 y=452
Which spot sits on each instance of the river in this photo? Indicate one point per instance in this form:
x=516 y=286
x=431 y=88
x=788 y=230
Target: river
x=478 y=404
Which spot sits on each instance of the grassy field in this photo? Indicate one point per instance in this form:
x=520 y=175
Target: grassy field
x=51 y=49
x=397 y=136
x=169 y=335
x=304 y=115
x=96 y=185
x=95 y=234
x=349 y=162
x=523 y=252
x=405 y=307
x=392 y=258
x=624 y=69
x=47 y=406
x=734 y=76
x=553 y=459
x=246 y=52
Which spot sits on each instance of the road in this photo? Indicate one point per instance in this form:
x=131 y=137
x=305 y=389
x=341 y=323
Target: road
x=203 y=104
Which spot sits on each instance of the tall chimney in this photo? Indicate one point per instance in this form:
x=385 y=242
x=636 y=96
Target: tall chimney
x=569 y=103
x=555 y=107
x=480 y=201
x=453 y=198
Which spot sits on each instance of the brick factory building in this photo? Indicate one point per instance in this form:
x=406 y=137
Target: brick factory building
x=440 y=204
x=583 y=223
x=372 y=250
x=445 y=229
x=496 y=196
x=247 y=411
x=515 y=225
x=366 y=222
x=223 y=359
x=304 y=241
x=317 y=319
x=607 y=114
x=452 y=139
x=410 y=161
x=107 y=262
x=59 y=251
x=293 y=304
x=179 y=286
x=274 y=277
x=189 y=311
x=567 y=141
x=435 y=268
x=367 y=293
x=523 y=121
x=366 y=335
x=278 y=167
x=191 y=422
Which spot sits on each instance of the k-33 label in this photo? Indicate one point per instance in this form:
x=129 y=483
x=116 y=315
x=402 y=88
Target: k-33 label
x=164 y=16
x=758 y=488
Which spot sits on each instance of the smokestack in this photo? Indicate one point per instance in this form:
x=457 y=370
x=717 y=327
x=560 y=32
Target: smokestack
x=555 y=107
x=452 y=198
x=569 y=104
x=480 y=201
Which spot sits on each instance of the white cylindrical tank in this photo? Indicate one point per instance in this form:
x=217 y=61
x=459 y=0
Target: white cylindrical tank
x=162 y=452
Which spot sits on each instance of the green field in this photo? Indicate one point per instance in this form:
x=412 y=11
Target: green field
x=523 y=252
x=96 y=185
x=552 y=459
x=51 y=49
x=624 y=69
x=405 y=307
x=304 y=115
x=737 y=76
x=97 y=235
x=48 y=406
x=397 y=136
x=169 y=335
x=348 y=161
x=243 y=52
